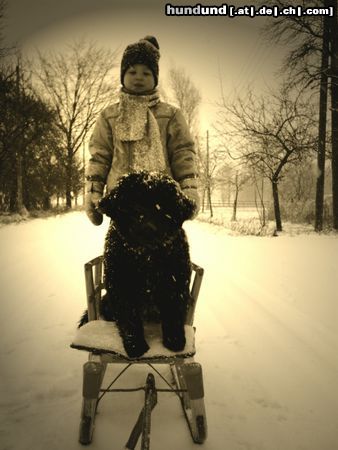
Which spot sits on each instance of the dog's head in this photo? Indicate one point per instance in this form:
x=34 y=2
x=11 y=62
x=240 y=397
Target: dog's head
x=147 y=208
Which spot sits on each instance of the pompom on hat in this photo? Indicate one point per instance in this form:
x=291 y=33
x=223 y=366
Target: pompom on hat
x=145 y=51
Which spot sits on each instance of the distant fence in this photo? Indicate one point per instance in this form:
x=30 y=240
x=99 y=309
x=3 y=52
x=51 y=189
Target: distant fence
x=240 y=204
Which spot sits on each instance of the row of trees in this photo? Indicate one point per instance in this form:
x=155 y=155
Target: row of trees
x=278 y=135
x=313 y=64
x=268 y=136
x=48 y=106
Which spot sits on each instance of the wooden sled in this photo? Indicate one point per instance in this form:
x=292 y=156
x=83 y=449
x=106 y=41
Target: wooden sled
x=103 y=342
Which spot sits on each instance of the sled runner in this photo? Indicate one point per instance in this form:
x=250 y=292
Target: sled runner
x=104 y=344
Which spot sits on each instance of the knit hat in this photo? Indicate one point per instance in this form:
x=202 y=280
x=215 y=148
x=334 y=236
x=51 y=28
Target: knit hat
x=145 y=51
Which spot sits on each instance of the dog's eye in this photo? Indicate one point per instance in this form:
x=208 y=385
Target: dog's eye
x=157 y=206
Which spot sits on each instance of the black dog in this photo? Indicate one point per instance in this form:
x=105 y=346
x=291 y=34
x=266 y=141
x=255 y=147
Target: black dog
x=146 y=259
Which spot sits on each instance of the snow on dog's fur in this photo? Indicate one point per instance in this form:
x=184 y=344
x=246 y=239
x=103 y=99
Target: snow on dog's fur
x=146 y=259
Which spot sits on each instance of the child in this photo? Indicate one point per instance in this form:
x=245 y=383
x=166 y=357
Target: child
x=140 y=132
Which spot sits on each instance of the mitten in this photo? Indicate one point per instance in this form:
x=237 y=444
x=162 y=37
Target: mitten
x=192 y=195
x=94 y=193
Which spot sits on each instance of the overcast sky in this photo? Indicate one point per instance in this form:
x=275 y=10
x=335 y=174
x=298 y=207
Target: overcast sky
x=203 y=46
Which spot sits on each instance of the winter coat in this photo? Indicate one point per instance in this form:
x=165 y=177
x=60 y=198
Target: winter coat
x=111 y=157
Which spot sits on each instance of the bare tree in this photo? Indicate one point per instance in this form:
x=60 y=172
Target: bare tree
x=209 y=159
x=186 y=95
x=25 y=119
x=312 y=61
x=272 y=132
x=238 y=180
x=188 y=98
x=77 y=83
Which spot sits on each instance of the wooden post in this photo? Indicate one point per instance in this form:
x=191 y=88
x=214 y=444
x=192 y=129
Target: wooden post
x=322 y=128
x=84 y=174
x=208 y=177
x=333 y=26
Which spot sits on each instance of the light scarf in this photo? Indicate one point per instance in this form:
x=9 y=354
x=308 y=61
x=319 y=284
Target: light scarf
x=136 y=124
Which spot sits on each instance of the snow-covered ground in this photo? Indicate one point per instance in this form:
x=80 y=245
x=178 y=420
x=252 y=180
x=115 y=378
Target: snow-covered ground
x=266 y=337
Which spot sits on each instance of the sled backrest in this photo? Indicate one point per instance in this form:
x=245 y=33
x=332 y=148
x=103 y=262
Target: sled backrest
x=95 y=287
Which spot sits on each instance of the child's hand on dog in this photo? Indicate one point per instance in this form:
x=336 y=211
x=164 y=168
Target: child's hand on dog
x=92 y=209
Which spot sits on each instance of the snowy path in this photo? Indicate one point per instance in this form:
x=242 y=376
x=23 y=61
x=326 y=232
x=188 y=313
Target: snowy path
x=266 y=338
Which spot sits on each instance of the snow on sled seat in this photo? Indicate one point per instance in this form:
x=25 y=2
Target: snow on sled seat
x=99 y=336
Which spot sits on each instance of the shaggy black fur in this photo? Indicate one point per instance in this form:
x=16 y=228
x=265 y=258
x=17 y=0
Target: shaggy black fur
x=146 y=259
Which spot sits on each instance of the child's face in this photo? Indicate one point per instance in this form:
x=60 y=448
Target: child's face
x=139 y=79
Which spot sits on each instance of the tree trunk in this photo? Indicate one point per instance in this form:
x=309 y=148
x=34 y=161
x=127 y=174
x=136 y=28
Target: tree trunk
x=20 y=207
x=12 y=199
x=203 y=199
x=322 y=129
x=263 y=205
x=234 y=212
x=46 y=203
x=276 y=205
x=83 y=174
x=69 y=179
x=261 y=208
x=209 y=199
x=334 y=114
x=234 y=208
x=68 y=197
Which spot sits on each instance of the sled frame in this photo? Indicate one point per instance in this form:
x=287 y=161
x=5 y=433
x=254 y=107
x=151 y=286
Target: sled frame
x=186 y=382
